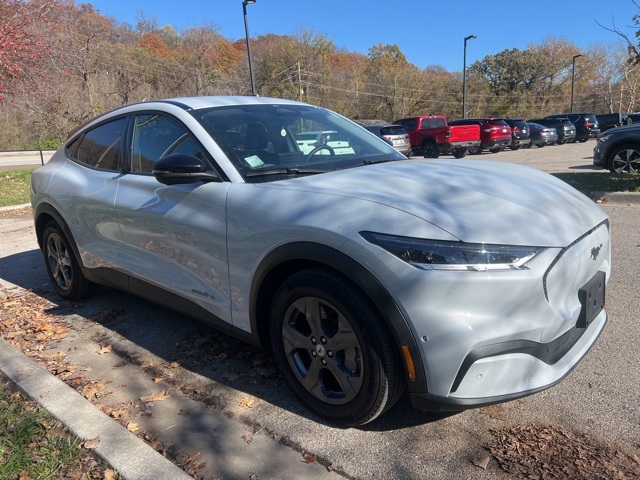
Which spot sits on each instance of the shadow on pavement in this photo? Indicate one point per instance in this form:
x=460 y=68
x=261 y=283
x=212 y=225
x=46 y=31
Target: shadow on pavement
x=182 y=341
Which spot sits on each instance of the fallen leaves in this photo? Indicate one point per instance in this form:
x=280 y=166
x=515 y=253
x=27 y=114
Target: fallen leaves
x=156 y=397
x=92 y=443
x=548 y=451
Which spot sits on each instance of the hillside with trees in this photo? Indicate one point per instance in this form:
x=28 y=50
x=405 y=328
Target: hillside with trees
x=62 y=63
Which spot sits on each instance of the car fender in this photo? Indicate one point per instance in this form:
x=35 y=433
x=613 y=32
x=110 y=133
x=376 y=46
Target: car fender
x=284 y=260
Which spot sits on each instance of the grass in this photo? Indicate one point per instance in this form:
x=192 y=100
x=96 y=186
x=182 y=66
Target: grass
x=34 y=445
x=14 y=187
x=14 y=184
x=602 y=182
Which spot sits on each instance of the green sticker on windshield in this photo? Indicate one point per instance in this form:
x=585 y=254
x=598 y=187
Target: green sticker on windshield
x=254 y=161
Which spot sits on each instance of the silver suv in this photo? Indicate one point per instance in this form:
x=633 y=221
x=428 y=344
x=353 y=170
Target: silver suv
x=364 y=273
x=394 y=135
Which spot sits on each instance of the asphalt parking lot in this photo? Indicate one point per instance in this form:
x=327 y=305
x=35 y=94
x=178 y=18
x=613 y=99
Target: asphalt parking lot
x=218 y=406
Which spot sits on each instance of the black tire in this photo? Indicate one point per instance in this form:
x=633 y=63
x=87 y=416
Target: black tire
x=496 y=150
x=561 y=141
x=514 y=147
x=62 y=265
x=430 y=149
x=540 y=145
x=333 y=349
x=624 y=158
x=460 y=152
x=583 y=139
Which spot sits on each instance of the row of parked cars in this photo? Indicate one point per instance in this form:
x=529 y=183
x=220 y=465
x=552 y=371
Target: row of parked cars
x=432 y=135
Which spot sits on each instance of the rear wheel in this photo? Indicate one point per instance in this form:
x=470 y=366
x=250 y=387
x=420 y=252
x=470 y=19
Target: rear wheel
x=430 y=150
x=460 y=152
x=62 y=265
x=496 y=150
x=625 y=159
x=540 y=145
x=333 y=349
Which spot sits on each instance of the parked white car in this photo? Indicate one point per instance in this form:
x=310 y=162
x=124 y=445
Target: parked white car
x=365 y=273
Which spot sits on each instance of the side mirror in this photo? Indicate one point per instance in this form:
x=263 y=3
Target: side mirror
x=180 y=168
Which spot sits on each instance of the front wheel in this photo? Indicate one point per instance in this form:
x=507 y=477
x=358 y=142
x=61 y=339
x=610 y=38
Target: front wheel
x=625 y=159
x=333 y=349
x=62 y=265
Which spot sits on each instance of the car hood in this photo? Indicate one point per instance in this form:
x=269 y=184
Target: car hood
x=475 y=201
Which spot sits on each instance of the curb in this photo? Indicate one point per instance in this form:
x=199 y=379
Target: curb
x=615 y=198
x=121 y=449
x=15 y=207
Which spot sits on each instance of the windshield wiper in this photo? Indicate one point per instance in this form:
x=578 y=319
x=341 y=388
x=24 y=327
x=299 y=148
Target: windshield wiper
x=286 y=171
x=382 y=160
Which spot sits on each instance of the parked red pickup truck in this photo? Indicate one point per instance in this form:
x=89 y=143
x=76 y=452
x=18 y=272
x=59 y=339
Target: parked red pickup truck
x=431 y=136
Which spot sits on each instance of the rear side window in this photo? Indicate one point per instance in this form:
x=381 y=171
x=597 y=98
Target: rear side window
x=100 y=147
x=392 y=131
x=498 y=123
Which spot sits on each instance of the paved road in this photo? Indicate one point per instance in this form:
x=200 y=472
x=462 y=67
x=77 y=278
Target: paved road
x=23 y=160
x=221 y=377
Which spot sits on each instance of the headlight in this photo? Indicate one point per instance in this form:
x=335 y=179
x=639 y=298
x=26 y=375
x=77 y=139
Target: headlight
x=442 y=255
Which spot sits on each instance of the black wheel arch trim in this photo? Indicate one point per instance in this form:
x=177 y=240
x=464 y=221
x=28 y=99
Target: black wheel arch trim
x=289 y=258
x=46 y=209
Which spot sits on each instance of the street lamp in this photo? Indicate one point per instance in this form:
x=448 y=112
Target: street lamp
x=246 y=30
x=464 y=76
x=573 y=76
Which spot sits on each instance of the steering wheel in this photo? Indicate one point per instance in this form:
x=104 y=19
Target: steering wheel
x=317 y=149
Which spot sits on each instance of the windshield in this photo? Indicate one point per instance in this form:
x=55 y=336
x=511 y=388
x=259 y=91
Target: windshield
x=290 y=139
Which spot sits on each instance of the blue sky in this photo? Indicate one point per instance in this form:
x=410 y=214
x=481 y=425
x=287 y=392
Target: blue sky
x=427 y=32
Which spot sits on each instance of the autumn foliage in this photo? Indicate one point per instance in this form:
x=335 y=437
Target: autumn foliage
x=62 y=63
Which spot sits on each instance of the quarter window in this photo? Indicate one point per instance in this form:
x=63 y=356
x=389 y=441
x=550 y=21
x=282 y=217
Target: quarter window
x=100 y=147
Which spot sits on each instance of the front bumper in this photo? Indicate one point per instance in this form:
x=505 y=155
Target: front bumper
x=489 y=338
x=598 y=159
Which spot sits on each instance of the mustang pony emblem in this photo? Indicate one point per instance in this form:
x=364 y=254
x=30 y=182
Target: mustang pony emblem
x=595 y=251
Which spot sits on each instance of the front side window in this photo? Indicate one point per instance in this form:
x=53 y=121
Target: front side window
x=100 y=147
x=155 y=136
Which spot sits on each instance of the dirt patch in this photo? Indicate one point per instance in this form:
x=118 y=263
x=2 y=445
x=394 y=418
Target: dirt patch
x=535 y=451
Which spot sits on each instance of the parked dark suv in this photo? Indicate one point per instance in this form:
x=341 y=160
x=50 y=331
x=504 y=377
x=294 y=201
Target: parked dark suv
x=586 y=124
x=607 y=121
x=619 y=149
x=520 y=133
x=565 y=129
x=495 y=133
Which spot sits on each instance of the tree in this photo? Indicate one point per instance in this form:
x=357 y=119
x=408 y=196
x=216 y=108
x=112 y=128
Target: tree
x=22 y=46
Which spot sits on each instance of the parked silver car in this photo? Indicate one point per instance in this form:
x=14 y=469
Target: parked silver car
x=365 y=273
x=394 y=135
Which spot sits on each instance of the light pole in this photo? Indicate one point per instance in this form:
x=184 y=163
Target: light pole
x=464 y=76
x=246 y=30
x=573 y=76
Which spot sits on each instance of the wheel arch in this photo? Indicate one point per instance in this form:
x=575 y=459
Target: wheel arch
x=44 y=213
x=285 y=260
